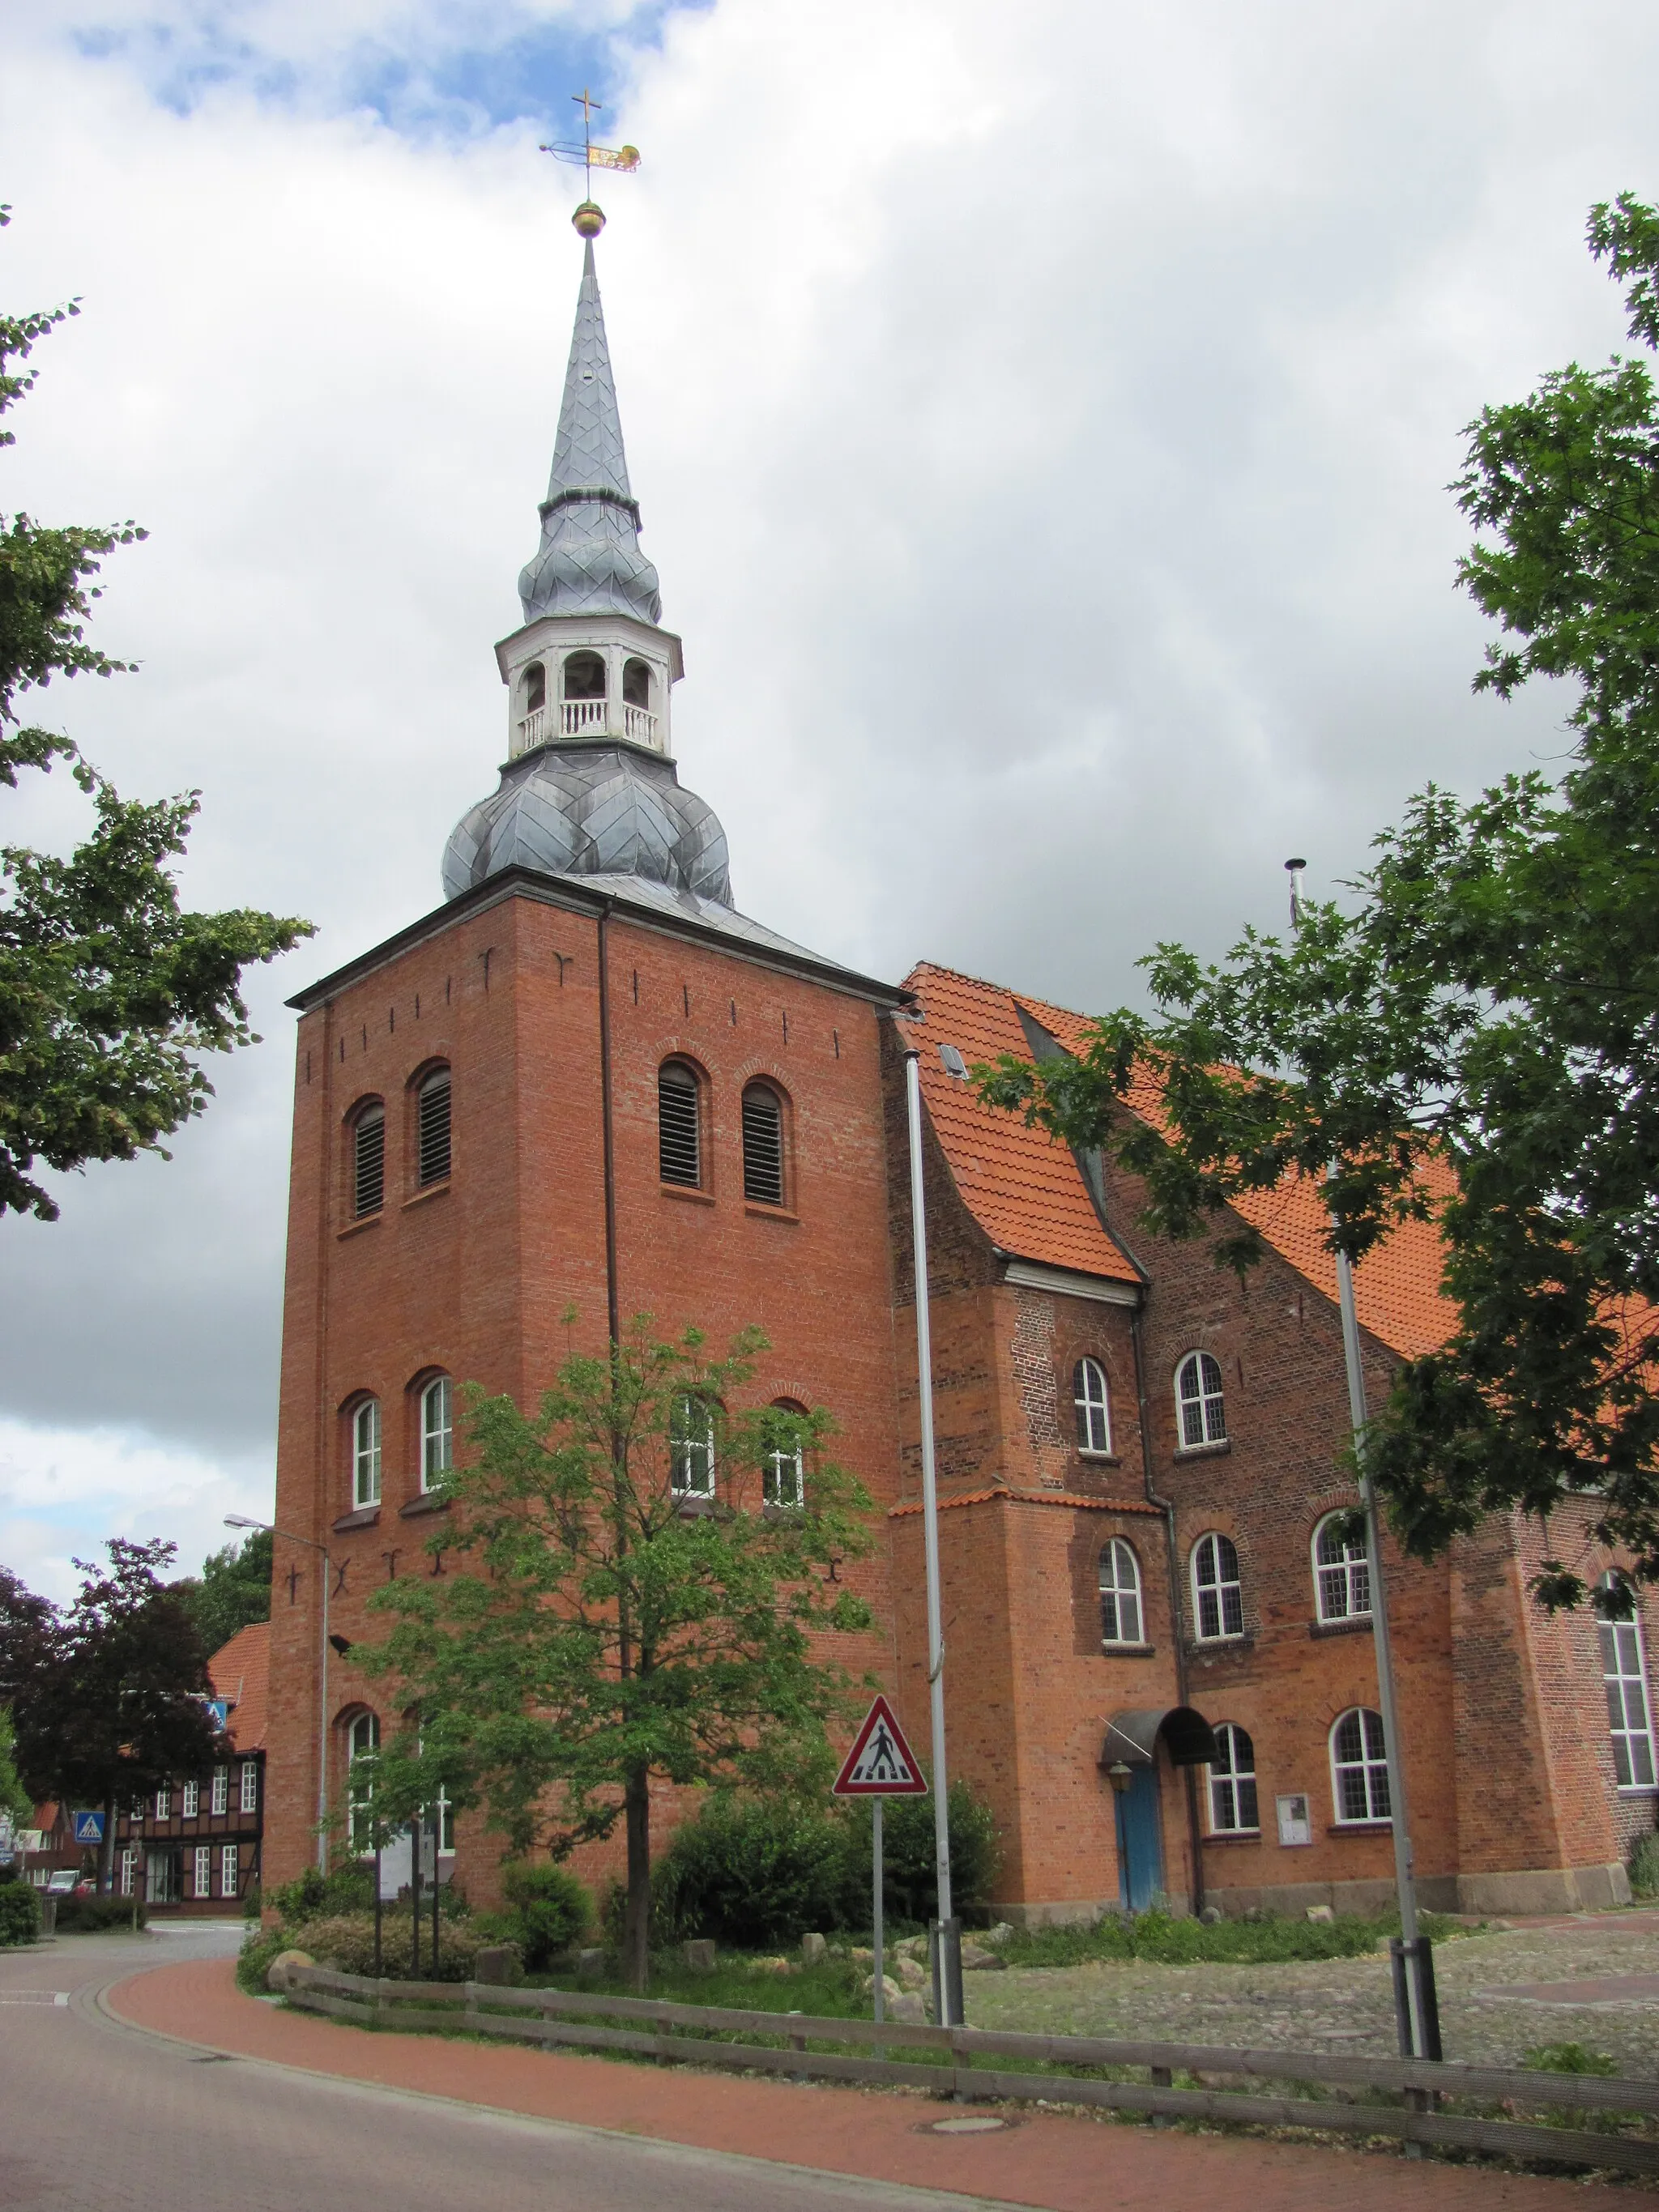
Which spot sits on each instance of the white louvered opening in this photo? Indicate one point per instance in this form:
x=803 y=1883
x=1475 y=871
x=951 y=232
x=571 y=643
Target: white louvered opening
x=368 y=1162
x=762 y=1146
x=432 y=1135
x=678 y=1136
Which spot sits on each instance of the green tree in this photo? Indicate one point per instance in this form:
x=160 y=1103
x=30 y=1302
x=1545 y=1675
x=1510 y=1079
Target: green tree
x=1473 y=1037
x=645 y=1585
x=108 y=993
x=14 y=1798
x=232 y=1590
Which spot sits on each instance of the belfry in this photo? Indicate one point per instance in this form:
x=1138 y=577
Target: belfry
x=585 y=1084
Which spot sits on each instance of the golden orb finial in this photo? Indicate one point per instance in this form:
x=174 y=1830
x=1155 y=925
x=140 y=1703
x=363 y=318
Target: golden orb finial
x=589 y=220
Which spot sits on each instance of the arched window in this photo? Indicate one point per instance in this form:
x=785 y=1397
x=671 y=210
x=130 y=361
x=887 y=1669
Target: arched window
x=783 y=1479
x=368 y=1159
x=362 y=1742
x=1217 y=1594
x=763 y=1144
x=1119 y=1593
x=535 y=688
x=432 y=1129
x=1233 y=1808
x=584 y=676
x=1624 y=1678
x=679 y=1132
x=1199 y=1403
x=1342 y=1571
x=636 y=684
x=366 y=1453
x=691 y=1447
x=1094 y=1415
x=437 y=1430
x=1359 y=1766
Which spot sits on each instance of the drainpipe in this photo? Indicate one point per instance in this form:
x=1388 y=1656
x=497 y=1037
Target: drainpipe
x=612 y=1296
x=1166 y=1506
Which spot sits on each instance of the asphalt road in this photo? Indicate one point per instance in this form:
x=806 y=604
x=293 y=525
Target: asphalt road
x=95 y=2116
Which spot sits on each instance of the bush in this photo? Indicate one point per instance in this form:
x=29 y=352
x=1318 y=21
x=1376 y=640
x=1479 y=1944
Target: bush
x=909 y=1885
x=347 y=1942
x=1566 y=2058
x=1643 y=1866
x=86 y=1915
x=316 y=1896
x=751 y=1872
x=259 y=1948
x=19 y=1913
x=252 y=1907
x=551 y=1911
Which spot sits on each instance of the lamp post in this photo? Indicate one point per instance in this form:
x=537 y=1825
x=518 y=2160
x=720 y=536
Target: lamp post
x=242 y=1521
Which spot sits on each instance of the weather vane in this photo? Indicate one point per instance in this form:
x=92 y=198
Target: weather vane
x=589 y=219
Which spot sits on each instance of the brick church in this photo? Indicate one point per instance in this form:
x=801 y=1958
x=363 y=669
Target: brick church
x=587 y=1079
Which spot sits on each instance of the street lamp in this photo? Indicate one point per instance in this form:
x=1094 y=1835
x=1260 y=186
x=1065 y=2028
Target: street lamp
x=242 y=1521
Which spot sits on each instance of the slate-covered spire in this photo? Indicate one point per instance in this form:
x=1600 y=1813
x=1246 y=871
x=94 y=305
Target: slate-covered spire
x=589 y=561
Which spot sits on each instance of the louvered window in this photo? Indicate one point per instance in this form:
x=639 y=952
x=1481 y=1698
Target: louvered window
x=433 y=1165
x=679 y=1136
x=762 y=1146
x=368 y=1161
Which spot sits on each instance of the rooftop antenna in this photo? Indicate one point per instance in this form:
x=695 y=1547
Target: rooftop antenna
x=1293 y=870
x=589 y=219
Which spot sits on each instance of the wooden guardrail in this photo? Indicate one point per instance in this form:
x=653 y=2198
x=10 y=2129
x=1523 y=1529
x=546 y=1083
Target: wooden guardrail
x=951 y=2061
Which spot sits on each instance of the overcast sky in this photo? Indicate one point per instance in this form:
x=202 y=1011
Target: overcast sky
x=1042 y=417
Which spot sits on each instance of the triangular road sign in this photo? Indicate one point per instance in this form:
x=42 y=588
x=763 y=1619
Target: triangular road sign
x=880 y=1763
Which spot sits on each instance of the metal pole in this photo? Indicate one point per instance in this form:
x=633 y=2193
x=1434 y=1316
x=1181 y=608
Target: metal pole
x=415 y=1898
x=322 y=1731
x=875 y=1835
x=930 y=1522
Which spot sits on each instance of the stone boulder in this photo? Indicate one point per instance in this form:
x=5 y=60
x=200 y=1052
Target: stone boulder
x=699 y=1953
x=497 y=1964
x=812 y=1948
x=277 y=1971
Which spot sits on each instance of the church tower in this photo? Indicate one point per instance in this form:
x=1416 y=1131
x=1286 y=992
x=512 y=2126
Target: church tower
x=584 y=1081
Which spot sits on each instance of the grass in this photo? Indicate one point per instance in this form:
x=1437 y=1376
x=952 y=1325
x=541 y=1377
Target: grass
x=1161 y=1939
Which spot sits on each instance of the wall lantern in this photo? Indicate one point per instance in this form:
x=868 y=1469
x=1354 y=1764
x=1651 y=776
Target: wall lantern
x=1119 y=1776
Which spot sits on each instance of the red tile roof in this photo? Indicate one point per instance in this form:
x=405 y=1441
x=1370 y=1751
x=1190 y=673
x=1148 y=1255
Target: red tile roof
x=1397 y=1289
x=240 y=1670
x=1021 y=1186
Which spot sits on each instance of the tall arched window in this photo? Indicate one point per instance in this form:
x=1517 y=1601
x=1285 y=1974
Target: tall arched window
x=1093 y=1407
x=535 y=688
x=1233 y=1809
x=1359 y=1766
x=368 y=1159
x=366 y=1453
x=783 y=1479
x=636 y=684
x=584 y=676
x=362 y=1742
x=1342 y=1571
x=1199 y=1405
x=763 y=1144
x=679 y=1117
x=691 y=1447
x=1119 y=1593
x=1624 y=1678
x=437 y=1430
x=432 y=1128
x=1218 y=1593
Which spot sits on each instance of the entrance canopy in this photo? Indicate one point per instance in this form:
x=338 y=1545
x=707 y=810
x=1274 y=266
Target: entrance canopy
x=1131 y=1737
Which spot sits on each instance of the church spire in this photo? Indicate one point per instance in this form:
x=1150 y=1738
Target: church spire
x=589 y=561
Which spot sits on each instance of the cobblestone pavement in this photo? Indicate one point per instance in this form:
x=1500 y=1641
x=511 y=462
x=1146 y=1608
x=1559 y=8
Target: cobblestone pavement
x=1347 y=2004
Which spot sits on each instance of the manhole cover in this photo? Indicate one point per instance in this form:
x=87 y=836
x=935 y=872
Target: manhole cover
x=965 y=2126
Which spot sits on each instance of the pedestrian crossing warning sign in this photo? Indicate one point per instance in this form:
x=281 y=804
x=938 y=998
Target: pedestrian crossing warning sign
x=880 y=1763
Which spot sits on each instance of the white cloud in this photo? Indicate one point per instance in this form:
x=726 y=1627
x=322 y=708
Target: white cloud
x=1042 y=419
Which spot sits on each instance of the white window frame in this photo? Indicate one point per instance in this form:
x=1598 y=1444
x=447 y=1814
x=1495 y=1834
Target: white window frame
x=249 y=1785
x=230 y=1870
x=190 y=1801
x=1121 y=1595
x=783 y=1478
x=1230 y=1780
x=1342 y=1585
x=437 y=1430
x=202 y=1872
x=164 y=1801
x=691 y=1457
x=365 y=1454
x=221 y=1800
x=1371 y=1766
x=1208 y=1398
x=1224 y=1588
x=1092 y=1402
x=363 y=1740
x=1630 y=1703
x=128 y=1869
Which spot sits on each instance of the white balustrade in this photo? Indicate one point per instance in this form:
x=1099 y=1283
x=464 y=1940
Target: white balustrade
x=639 y=725
x=532 y=729
x=576 y=715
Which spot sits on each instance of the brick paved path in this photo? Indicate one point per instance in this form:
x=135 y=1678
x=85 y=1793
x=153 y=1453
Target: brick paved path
x=1053 y=2161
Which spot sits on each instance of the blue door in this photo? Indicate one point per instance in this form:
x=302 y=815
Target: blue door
x=1139 y=1847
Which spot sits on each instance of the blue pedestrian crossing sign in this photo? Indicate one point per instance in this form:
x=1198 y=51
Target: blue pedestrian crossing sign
x=880 y=1763
x=88 y=1827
